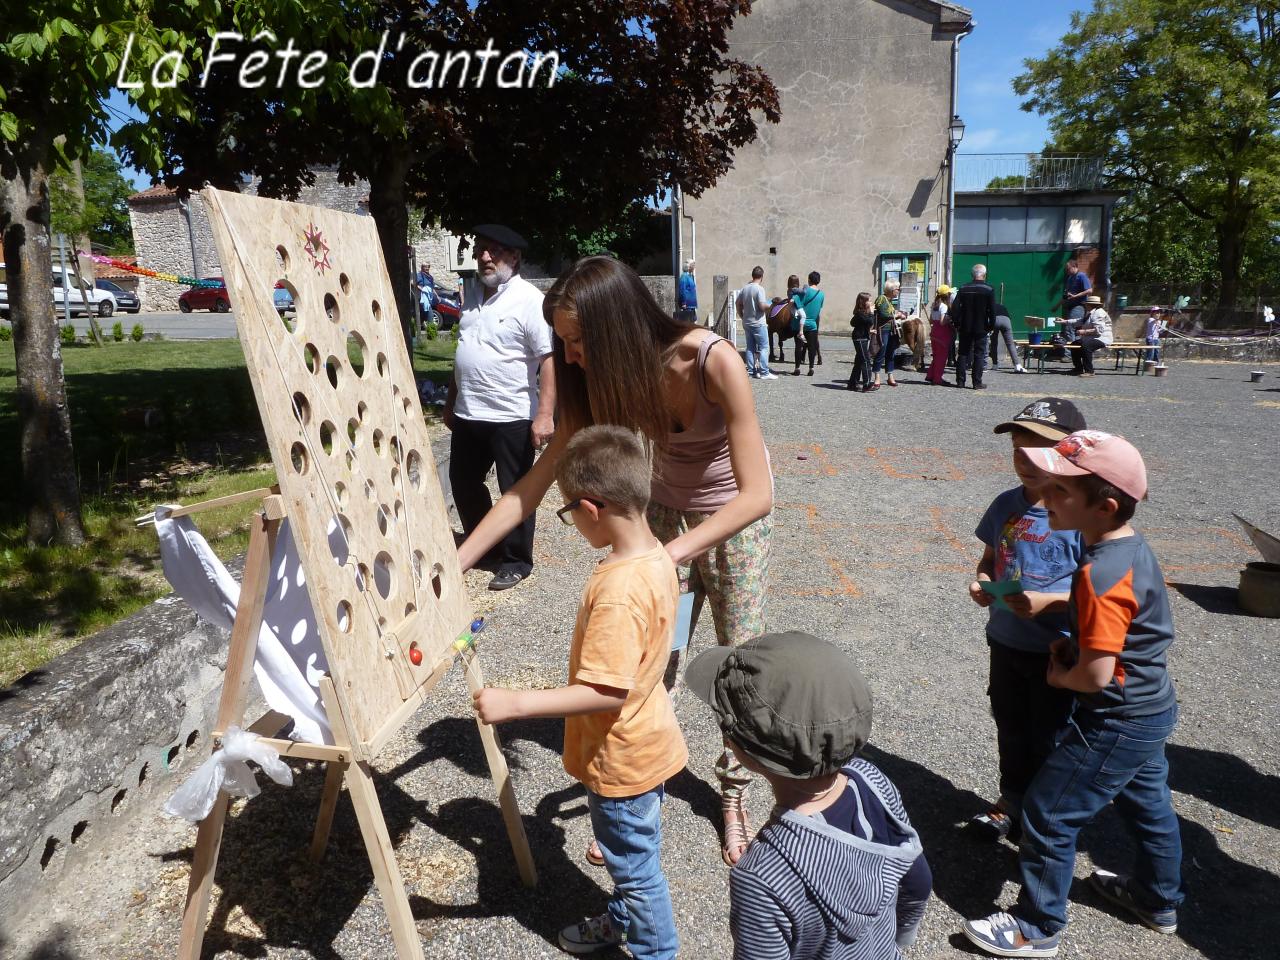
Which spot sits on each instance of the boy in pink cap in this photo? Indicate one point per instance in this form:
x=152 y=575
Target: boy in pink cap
x=1113 y=748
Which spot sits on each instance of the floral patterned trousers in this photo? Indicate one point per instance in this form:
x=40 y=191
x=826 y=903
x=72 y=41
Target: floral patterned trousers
x=733 y=578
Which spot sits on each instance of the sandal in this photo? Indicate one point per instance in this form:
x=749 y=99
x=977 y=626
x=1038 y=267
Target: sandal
x=593 y=855
x=736 y=835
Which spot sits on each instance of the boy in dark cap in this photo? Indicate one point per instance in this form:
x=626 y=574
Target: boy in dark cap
x=1019 y=546
x=838 y=871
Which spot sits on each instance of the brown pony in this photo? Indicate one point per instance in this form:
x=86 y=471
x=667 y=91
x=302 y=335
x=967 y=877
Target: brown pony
x=781 y=314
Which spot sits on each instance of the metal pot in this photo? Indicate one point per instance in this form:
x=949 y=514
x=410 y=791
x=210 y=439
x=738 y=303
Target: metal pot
x=1259 y=590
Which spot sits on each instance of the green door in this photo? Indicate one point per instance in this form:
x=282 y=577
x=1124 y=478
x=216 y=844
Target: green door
x=1028 y=284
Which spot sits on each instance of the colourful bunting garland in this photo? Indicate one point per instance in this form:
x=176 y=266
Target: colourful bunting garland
x=155 y=274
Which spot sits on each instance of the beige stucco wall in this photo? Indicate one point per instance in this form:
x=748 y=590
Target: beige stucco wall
x=855 y=167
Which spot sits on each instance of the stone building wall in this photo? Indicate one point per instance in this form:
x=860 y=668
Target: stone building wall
x=856 y=165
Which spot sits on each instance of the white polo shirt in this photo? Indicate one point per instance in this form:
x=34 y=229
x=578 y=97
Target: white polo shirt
x=501 y=342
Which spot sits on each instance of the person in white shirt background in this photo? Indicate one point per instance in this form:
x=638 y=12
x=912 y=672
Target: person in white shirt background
x=1093 y=333
x=753 y=307
x=502 y=398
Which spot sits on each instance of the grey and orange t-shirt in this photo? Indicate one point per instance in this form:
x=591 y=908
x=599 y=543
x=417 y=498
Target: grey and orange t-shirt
x=1119 y=605
x=622 y=639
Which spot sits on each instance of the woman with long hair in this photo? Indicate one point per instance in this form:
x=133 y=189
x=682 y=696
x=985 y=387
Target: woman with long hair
x=941 y=335
x=621 y=359
x=864 y=320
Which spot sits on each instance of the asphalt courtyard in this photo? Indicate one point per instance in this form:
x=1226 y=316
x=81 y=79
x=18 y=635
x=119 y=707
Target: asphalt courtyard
x=877 y=496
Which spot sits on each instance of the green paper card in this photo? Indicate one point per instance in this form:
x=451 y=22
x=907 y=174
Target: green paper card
x=1001 y=589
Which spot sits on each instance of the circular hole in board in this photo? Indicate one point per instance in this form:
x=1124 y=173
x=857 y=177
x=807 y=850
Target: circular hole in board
x=379 y=447
x=284 y=297
x=327 y=430
x=332 y=368
x=341 y=493
x=370 y=491
x=362 y=409
x=298 y=457
x=343 y=614
x=395 y=478
x=302 y=408
x=355 y=353
x=312 y=356
x=418 y=560
x=283 y=257
x=354 y=433
x=413 y=469
x=398 y=512
x=376 y=310
x=345 y=283
x=331 y=309
x=353 y=465
x=340 y=533
x=384 y=574
x=383 y=369
x=437 y=580
x=362 y=577
x=410 y=608
x=396 y=452
x=408 y=406
x=384 y=519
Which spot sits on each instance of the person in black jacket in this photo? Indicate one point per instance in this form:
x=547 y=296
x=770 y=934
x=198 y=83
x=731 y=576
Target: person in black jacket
x=974 y=317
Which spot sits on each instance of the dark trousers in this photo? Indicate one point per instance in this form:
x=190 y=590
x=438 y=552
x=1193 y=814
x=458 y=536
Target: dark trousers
x=971 y=355
x=1029 y=716
x=1083 y=358
x=860 y=375
x=810 y=347
x=476 y=446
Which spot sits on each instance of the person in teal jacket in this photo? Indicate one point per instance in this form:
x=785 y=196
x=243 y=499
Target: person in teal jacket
x=808 y=303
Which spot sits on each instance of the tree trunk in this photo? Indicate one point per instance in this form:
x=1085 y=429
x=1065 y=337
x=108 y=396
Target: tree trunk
x=389 y=208
x=50 y=490
x=1230 y=234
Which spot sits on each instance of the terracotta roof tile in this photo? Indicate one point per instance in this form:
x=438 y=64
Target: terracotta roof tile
x=156 y=194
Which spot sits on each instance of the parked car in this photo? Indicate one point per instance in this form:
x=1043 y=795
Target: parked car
x=283 y=298
x=206 y=298
x=4 y=293
x=448 y=307
x=126 y=301
x=75 y=297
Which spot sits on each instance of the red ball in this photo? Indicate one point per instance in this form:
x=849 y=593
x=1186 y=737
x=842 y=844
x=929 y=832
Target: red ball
x=415 y=656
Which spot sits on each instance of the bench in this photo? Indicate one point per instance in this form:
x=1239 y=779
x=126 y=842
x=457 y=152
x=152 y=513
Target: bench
x=1119 y=349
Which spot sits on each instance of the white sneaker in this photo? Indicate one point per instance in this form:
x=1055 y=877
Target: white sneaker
x=768 y=376
x=1019 y=369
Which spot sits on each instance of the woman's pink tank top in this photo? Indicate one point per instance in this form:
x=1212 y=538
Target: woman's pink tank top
x=694 y=472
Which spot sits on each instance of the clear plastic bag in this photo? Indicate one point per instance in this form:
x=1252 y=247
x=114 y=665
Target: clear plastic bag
x=227 y=770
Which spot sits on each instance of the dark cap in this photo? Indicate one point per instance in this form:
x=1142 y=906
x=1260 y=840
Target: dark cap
x=796 y=704
x=500 y=234
x=1050 y=417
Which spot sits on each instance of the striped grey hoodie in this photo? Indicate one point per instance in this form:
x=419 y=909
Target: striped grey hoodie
x=805 y=889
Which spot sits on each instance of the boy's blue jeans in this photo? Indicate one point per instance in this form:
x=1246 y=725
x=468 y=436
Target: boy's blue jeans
x=1099 y=760
x=629 y=832
x=757 y=348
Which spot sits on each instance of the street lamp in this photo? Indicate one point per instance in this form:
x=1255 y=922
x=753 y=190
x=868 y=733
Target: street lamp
x=955 y=133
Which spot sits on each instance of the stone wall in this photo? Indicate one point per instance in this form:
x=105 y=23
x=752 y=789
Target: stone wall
x=856 y=166
x=663 y=288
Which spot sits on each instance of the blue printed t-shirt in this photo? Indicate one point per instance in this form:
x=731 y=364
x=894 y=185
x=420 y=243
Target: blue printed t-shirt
x=810 y=301
x=1044 y=559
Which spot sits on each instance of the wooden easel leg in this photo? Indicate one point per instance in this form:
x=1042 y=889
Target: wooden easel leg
x=382 y=858
x=235 y=688
x=501 y=779
x=333 y=773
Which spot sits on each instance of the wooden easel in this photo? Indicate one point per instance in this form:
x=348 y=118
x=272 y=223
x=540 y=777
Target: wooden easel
x=346 y=760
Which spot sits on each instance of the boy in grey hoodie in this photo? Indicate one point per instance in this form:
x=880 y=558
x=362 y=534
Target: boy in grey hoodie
x=838 y=872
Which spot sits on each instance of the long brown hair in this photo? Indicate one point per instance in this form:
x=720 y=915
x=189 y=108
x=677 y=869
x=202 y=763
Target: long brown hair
x=863 y=303
x=627 y=340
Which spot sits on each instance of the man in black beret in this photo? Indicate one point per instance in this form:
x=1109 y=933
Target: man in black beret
x=502 y=397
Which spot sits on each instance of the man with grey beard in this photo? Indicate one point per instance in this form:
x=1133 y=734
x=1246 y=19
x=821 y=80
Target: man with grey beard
x=502 y=397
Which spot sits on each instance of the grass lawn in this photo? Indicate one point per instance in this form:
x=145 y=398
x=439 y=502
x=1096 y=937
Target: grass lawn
x=152 y=422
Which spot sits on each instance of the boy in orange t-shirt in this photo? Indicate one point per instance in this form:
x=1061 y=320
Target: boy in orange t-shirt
x=621 y=739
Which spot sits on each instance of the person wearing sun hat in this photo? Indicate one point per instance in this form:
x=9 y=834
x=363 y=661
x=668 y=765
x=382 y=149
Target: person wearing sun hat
x=1092 y=334
x=1151 y=332
x=838 y=871
x=941 y=336
x=1126 y=708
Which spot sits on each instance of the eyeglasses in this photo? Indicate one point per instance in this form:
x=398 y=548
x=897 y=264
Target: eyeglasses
x=564 y=512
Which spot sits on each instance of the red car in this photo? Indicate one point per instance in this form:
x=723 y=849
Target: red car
x=206 y=298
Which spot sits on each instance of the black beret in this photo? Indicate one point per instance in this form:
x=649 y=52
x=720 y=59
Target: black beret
x=500 y=234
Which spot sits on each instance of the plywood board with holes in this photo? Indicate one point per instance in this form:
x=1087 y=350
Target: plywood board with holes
x=343 y=422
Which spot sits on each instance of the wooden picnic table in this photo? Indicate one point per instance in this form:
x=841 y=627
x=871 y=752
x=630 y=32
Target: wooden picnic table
x=1120 y=350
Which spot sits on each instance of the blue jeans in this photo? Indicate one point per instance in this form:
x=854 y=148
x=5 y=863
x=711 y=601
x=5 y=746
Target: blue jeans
x=1099 y=760
x=757 y=348
x=1154 y=344
x=889 y=342
x=629 y=832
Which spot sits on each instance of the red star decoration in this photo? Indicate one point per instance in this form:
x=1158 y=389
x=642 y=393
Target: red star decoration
x=317 y=249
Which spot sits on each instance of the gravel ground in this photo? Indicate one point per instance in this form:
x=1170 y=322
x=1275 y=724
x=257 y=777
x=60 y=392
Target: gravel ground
x=877 y=498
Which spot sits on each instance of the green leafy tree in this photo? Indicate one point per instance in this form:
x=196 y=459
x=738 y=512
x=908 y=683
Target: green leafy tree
x=57 y=61
x=1182 y=99
x=104 y=218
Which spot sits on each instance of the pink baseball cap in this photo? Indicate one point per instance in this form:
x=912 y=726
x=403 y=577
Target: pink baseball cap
x=1157 y=310
x=1104 y=455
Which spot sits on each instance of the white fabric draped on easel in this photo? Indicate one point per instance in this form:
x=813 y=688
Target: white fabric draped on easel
x=290 y=659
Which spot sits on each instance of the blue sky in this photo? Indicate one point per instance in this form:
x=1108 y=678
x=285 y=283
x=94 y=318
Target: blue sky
x=1008 y=32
